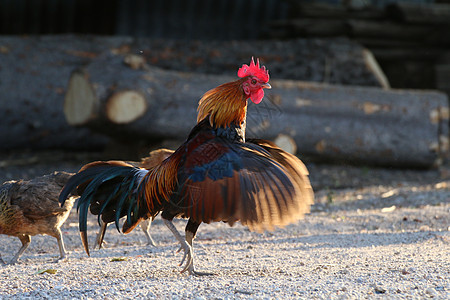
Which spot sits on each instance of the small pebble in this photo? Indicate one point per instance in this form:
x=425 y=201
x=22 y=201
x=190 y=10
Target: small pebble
x=431 y=292
x=379 y=290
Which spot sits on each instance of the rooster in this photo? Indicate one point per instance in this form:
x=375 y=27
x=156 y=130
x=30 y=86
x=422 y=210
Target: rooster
x=31 y=207
x=215 y=175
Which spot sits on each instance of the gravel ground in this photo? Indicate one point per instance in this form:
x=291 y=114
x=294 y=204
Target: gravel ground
x=374 y=233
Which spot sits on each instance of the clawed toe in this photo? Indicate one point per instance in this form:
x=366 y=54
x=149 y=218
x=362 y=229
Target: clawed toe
x=61 y=259
x=189 y=266
x=186 y=245
x=187 y=256
x=151 y=242
x=196 y=273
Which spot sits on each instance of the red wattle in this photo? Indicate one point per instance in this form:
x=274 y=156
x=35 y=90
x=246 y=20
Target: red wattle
x=257 y=97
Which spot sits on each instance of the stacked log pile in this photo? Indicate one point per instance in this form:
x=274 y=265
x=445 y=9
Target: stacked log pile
x=344 y=123
x=34 y=72
x=409 y=40
x=73 y=92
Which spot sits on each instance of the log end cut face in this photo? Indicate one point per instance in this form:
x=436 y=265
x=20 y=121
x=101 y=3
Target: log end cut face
x=80 y=103
x=125 y=106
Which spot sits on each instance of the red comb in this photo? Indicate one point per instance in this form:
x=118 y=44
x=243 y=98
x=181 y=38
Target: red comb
x=260 y=72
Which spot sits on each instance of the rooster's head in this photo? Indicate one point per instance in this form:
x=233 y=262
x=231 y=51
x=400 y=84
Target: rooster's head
x=257 y=79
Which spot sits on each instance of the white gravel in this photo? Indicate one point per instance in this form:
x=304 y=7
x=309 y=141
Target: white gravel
x=367 y=243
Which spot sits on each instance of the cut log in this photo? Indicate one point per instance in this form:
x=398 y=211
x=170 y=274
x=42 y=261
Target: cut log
x=420 y=13
x=33 y=77
x=343 y=123
x=81 y=105
x=125 y=106
x=381 y=31
x=80 y=101
x=286 y=143
x=388 y=30
x=404 y=54
x=312 y=27
x=442 y=74
x=332 y=11
x=337 y=60
x=366 y=125
x=34 y=72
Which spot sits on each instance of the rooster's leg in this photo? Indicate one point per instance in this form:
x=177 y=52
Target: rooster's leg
x=26 y=240
x=145 y=225
x=184 y=245
x=190 y=232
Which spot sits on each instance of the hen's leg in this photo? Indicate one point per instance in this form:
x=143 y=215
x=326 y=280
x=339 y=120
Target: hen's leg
x=145 y=225
x=26 y=240
x=62 y=250
x=101 y=235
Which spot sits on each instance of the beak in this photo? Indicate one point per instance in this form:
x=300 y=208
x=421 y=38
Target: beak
x=266 y=86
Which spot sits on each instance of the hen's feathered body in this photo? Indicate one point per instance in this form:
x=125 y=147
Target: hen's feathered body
x=31 y=207
x=215 y=175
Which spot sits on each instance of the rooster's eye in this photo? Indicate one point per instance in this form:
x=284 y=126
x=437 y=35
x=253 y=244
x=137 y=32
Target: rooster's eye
x=253 y=81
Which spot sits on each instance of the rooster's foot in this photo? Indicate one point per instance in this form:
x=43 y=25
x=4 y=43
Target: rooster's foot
x=187 y=256
x=151 y=242
x=60 y=259
x=197 y=273
x=189 y=267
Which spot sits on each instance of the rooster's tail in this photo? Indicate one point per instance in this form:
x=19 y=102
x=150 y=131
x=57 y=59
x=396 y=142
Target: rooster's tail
x=111 y=190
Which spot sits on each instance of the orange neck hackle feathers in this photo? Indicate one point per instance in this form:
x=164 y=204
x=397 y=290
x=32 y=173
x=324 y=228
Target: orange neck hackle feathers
x=227 y=103
x=224 y=105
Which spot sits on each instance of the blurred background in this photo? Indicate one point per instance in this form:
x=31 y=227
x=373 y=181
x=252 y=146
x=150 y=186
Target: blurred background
x=410 y=39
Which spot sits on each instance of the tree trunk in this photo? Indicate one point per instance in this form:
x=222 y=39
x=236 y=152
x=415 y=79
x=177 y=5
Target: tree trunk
x=343 y=123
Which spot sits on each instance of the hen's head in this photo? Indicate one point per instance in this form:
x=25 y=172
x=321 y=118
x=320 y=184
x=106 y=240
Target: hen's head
x=256 y=79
